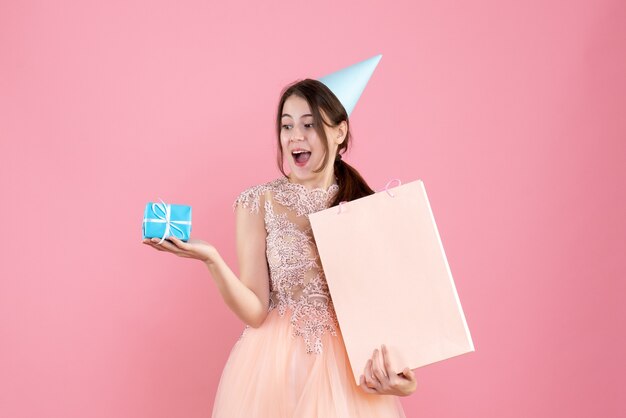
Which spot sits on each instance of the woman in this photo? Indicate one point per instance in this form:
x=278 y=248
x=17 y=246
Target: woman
x=290 y=360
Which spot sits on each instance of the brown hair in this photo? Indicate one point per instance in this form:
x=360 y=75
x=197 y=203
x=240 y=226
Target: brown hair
x=321 y=98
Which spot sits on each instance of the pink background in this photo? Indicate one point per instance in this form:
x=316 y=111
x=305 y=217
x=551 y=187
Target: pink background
x=511 y=112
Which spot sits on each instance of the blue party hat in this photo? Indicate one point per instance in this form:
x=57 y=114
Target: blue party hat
x=348 y=84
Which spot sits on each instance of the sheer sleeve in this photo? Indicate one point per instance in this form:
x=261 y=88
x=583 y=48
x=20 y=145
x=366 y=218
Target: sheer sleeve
x=249 y=199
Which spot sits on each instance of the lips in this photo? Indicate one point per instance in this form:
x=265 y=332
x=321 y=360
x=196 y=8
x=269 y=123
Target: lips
x=301 y=156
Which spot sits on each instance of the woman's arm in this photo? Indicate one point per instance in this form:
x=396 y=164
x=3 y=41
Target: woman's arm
x=248 y=295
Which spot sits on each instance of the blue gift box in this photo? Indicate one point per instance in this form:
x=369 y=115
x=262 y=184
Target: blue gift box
x=161 y=220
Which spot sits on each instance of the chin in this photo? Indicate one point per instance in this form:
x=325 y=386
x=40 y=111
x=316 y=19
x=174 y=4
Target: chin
x=306 y=172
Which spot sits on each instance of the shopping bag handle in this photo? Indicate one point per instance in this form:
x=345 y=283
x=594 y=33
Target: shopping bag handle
x=387 y=186
x=343 y=202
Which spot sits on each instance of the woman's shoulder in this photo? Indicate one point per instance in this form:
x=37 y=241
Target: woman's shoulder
x=250 y=197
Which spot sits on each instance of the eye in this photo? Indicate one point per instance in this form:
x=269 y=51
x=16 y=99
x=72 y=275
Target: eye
x=308 y=125
x=286 y=126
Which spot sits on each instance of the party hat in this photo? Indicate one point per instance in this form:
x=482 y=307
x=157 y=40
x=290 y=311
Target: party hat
x=348 y=83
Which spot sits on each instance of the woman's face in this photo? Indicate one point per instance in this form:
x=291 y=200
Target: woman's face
x=302 y=147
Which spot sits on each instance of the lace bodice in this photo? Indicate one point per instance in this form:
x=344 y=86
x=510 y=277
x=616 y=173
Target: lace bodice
x=297 y=281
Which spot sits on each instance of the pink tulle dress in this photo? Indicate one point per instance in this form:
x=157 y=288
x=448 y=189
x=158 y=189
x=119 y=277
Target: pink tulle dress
x=295 y=364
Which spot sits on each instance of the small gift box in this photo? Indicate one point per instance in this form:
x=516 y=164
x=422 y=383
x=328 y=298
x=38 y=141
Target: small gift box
x=161 y=220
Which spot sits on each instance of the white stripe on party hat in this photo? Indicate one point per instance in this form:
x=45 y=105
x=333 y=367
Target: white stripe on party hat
x=348 y=84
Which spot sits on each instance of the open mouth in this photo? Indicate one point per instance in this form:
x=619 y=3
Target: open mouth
x=301 y=157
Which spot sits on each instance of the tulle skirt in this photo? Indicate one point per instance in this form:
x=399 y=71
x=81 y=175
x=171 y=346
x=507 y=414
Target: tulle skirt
x=269 y=374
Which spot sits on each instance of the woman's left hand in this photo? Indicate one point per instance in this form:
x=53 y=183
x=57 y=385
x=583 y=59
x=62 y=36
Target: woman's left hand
x=383 y=381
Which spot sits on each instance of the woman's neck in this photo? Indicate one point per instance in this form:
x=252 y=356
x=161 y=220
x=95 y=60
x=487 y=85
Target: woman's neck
x=322 y=181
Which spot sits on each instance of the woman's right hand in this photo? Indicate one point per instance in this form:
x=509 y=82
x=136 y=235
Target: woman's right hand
x=194 y=248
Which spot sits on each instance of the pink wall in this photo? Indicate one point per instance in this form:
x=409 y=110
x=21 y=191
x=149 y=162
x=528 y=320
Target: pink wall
x=511 y=112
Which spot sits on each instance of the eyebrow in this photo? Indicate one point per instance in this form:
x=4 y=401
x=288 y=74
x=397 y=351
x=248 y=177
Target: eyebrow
x=288 y=115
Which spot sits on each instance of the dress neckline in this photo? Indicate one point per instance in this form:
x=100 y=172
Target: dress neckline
x=332 y=188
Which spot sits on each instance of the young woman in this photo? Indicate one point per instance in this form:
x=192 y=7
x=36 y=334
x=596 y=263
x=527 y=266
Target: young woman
x=290 y=360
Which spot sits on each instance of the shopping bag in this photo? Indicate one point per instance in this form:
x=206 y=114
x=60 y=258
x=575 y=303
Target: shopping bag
x=389 y=279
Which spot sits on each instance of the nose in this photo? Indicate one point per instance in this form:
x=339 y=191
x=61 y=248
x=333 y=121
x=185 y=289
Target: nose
x=296 y=134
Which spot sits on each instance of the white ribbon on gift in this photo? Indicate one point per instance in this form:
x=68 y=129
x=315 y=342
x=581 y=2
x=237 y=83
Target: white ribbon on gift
x=166 y=210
